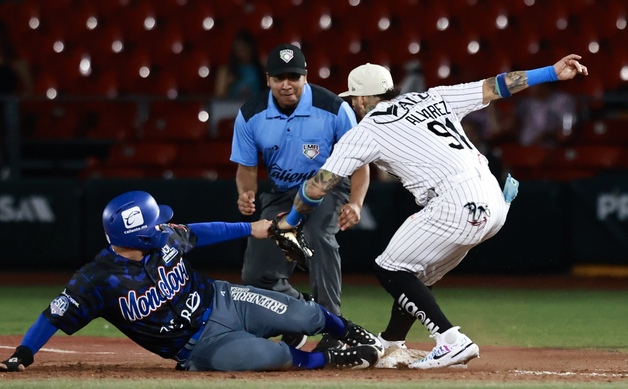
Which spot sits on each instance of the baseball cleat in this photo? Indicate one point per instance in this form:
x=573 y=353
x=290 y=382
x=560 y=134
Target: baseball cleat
x=358 y=336
x=358 y=357
x=391 y=344
x=294 y=340
x=328 y=342
x=452 y=348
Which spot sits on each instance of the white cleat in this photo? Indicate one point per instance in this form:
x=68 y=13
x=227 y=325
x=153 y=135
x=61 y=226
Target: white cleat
x=390 y=345
x=452 y=348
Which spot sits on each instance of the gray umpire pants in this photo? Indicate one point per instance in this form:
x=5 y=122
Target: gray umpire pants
x=235 y=337
x=265 y=265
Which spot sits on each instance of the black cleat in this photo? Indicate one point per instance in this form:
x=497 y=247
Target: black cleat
x=356 y=336
x=359 y=357
x=294 y=340
x=328 y=342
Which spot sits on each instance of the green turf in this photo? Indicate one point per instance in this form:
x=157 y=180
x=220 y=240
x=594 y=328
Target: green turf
x=500 y=317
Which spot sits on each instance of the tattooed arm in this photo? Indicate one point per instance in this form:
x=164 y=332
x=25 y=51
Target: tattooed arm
x=316 y=188
x=565 y=69
x=310 y=194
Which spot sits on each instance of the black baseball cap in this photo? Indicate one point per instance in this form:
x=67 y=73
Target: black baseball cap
x=286 y=58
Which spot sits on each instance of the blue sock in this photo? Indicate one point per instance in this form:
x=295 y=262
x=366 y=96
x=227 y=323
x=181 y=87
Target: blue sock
x=307 y=360
x=334 y=325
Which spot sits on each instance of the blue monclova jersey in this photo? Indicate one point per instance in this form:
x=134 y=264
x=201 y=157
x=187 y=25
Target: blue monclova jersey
x=157 y=302
x=293 y=147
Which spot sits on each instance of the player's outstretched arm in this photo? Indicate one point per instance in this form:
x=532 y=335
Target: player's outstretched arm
x=506 y=84
x=37 y=335
x=310 y=194
x=19 y=361
x=260 y=229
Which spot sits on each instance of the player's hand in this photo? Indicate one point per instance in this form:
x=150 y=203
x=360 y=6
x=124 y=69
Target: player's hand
x=19 y=361
x=246 y=203
x=349 y=216
x=261 y=228
x=568 y=67
x=282 y=224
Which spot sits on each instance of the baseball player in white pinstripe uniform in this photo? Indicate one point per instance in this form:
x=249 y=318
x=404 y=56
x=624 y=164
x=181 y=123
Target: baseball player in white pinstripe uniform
x=417 y=138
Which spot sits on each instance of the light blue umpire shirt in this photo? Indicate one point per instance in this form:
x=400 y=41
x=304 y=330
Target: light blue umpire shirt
x=294 y=147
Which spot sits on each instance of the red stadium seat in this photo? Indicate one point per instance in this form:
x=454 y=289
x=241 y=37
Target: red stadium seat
x=524 y=162
x=114 y=119
x=176 y=121
x=224 y=130
x=136 y=72
x=117 y=172
x=142 y=155
x=604 y=132
x=205 y=155
x=193 y=71
x=584 y=157
x=48 y=119
x=208 y=160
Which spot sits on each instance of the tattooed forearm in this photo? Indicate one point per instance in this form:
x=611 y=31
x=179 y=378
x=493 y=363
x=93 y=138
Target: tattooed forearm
x=317 y=187
x=516 y=81
x=323 y=182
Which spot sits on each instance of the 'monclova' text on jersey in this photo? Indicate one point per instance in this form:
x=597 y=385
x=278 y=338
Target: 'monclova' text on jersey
x=157 y=302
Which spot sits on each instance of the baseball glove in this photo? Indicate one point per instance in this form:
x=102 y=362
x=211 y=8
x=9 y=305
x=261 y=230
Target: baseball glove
x=293 y=244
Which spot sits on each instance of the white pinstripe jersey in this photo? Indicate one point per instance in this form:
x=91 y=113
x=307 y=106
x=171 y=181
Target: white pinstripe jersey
x=416 y=138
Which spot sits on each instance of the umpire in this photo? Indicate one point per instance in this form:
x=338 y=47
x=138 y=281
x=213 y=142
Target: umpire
x=294 y=126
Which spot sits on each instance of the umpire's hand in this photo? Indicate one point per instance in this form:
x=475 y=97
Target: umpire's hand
x=20 y=360
x=246 y=203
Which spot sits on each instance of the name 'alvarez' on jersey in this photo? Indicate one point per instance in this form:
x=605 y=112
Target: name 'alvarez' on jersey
x=416 y=137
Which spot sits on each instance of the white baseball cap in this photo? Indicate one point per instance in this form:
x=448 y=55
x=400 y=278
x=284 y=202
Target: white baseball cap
x=369 y=80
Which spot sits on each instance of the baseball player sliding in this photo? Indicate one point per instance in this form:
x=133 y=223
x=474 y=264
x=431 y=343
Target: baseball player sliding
x=142 y=285
x=418 y=138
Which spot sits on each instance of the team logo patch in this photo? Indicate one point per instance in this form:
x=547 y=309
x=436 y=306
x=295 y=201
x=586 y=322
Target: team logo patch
x=132 y=217
x=59 y=305
x=478 y=214
x=169 y=253
x=311 y=151
x=286 y=55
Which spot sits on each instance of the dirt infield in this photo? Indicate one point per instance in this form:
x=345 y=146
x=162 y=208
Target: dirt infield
x=107 y=358
x=100 y=358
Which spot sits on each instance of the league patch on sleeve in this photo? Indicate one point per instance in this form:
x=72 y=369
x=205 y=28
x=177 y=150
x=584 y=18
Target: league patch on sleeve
x=59 y=305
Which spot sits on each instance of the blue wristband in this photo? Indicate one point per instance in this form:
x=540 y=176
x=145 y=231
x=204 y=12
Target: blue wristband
x=294 y=218
x=306 y=200
x=502 y=89
x=541 y=75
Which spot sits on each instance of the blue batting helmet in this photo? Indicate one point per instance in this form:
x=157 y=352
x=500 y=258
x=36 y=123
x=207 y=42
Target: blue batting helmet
x=130 y=219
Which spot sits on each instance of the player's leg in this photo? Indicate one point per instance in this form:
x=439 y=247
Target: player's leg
x=320 y=229
x=239 y=351
x=264 y=265
x=408 y=265
x=262 y=314
x=325 y=267
x=398 y=327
